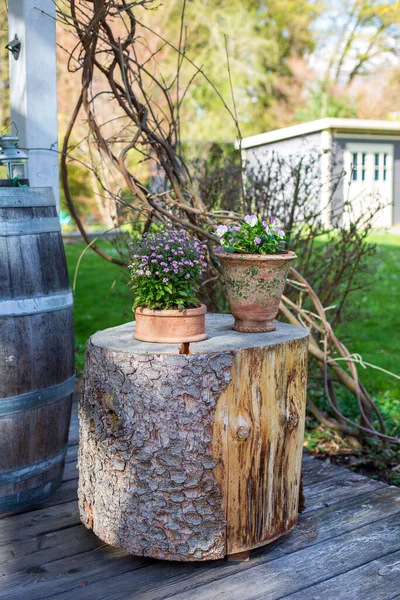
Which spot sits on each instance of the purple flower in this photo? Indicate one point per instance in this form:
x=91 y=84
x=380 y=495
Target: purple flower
x=272 y=219
x=165 y=280
x=148 y=273
x=257 y=240
x=280 y=232
x=251 y=220
x=265 y=224
x=166 y=270
x=187 y=276
x=236 y=228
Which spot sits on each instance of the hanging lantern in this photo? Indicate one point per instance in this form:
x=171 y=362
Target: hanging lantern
x=15 y=159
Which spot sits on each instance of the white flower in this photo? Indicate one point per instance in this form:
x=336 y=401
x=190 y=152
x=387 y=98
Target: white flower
x=251 y=220
x=221 y=230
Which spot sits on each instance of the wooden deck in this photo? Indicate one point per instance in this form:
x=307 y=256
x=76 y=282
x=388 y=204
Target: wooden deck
x=346 y=546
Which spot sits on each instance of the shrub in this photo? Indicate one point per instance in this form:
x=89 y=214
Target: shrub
x=334 y=257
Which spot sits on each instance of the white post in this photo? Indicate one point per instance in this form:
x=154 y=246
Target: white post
x=33 y=87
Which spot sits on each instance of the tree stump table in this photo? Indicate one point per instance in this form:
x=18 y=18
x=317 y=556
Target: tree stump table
x=192 y=453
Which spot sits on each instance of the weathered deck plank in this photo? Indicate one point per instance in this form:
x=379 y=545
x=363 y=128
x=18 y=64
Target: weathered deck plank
x=347 y=539
x=377 y=580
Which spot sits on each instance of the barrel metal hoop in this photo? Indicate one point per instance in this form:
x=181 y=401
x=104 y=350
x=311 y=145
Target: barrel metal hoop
x=38 y=398
x=34 y=469
x=30 y=226
x=32 y=496
x=19 y=307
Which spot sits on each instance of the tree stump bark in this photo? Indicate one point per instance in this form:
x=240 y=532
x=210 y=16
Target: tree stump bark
x=192 y=456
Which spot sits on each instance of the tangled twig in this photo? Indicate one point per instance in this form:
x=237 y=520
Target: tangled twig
x=316 y=322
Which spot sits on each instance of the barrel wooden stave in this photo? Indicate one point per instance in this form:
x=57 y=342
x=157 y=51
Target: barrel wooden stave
x=33 y=357
x=36 y=348
x=42 y=432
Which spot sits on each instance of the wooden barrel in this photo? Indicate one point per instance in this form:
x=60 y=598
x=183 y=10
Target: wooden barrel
x=36 y=348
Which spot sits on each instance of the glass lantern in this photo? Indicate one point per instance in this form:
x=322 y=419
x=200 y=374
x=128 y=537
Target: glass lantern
x=13 y=158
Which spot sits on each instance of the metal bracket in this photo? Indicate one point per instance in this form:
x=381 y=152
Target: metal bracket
x=14 y=47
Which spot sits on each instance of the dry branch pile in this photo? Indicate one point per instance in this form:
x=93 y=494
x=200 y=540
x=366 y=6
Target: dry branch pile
x=119 y=65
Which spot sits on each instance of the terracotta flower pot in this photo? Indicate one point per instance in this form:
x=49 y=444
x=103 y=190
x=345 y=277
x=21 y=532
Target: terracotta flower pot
x=171 y=326
x=255 y=284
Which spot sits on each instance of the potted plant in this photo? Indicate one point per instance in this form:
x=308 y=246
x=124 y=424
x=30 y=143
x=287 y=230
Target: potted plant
x=255 y=266
x=165 y=272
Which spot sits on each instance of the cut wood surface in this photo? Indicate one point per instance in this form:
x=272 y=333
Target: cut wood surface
x=345 y=540
x=192 y=457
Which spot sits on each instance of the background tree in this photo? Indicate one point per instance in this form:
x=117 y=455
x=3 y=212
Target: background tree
x=356 y=48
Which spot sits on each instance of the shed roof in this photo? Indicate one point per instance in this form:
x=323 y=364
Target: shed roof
x=347 y=125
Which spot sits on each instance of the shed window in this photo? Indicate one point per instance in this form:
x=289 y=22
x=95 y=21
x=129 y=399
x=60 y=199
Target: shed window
x=363 y=157
x=355 y=161
x=376 y=177
x=380 y=172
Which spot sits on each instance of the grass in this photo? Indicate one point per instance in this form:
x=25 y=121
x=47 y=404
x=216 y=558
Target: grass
x=101 y=297
x=102 y=300
x=376 y=335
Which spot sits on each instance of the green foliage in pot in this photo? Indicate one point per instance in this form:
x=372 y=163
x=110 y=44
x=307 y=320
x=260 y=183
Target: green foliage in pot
x=252 y=236
x=165 y=270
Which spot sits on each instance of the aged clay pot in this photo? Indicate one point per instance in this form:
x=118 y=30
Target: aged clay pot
x=255 y=284
x=171 y=326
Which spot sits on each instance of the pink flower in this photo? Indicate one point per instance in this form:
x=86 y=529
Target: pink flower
x=165 y=280
x=257 y=240
x=236 y=228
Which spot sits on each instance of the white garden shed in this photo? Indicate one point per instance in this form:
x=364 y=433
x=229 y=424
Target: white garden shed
x=368 y=150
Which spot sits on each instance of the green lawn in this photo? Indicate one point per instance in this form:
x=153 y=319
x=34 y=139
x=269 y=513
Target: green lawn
x=102 y=300
x=376 y=336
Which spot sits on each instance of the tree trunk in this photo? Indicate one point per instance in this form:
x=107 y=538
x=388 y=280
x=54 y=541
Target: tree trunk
x=192 y=457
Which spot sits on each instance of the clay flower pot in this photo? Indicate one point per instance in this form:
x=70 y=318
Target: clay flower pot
x=255 y=284
x=171 y=326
